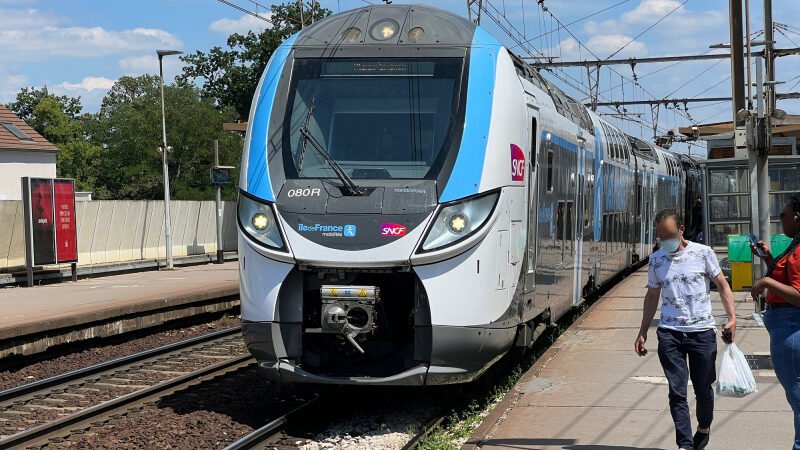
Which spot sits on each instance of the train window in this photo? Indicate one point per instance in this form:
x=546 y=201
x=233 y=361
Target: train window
x=587 y=210
x=570 y=223
x=550 y=171
x=639 y=200
x=534 y=137
x=560 y=221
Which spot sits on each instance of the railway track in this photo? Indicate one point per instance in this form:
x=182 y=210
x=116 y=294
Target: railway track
x=49 y=410
x=268 y=433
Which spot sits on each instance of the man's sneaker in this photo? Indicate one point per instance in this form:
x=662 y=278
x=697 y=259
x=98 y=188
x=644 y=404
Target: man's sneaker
x=700 y=440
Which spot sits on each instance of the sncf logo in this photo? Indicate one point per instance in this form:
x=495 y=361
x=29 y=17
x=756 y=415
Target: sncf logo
x=517 y=164
x=392 y=229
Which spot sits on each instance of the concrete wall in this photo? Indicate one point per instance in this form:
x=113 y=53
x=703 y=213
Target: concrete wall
x=17 y=164
x=125 y=230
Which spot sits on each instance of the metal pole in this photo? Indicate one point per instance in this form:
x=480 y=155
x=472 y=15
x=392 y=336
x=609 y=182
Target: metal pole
x=749 y=56
x=737 y=63
x=762 y=166
x=769 y=58
x=167 y=226
x=220 y=257
x=302 y=21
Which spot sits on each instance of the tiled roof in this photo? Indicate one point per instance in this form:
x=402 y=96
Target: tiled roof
x=8 y=141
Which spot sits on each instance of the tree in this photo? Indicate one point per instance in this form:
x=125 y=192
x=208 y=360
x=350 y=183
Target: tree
x=230 y=76
x=77 y=158
x=128 y=127
x=30 y=97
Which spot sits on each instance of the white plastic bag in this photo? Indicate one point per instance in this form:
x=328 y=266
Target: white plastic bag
x=735 y=378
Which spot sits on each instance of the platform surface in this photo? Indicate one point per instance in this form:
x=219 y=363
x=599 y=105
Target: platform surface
x=32 y=310
x=591 y=391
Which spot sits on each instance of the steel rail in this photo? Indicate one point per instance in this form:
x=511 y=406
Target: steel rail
x=86 y=417
x=25 y=389
x=269 y=430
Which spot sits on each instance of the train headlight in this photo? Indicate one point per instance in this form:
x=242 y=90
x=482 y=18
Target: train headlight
x=384 y=29
x=261 y=222
x=456 y=221
x=257 y=219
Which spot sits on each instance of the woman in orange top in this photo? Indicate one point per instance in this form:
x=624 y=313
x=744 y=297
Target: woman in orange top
x=782 y=317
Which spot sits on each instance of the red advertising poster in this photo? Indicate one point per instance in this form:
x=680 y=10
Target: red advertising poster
x=43 y=231
x=66 y=231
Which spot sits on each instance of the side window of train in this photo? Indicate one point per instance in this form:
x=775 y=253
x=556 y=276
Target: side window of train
x=560 y=221
x=639 y=200
x=534 y=138
x=549 y=170
x=570 y=222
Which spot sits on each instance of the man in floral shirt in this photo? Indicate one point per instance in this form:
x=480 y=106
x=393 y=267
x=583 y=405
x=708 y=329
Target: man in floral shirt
x=679 y=273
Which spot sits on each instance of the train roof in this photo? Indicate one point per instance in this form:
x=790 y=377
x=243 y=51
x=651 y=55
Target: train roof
x=370 y=25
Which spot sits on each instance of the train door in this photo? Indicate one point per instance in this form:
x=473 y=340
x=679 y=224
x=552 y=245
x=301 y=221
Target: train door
x=533 y=218
x=577 y=239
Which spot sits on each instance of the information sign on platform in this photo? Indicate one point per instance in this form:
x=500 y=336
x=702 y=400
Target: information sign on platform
x=66 y=231
x=50 y=223
x=43 y=233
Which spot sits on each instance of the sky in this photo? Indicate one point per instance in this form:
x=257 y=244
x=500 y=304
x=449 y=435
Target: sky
x=80 y=47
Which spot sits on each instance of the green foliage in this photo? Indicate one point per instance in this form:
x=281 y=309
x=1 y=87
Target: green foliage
x=29 y=97
x=129 y=129
x=230 y=76
x=114 y=152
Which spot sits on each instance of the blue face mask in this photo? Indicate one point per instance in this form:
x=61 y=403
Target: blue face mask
x=671 y=245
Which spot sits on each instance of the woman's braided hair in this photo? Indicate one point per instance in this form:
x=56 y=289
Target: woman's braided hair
x=794 y=200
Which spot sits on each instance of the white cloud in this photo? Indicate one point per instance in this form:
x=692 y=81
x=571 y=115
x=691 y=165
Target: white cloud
x=607 y=26
x=241 y=25
x=602 y=45
x=10 y=84
x=605 y=44
x=683 y=30
x=137 y=65
x=89 y=84
x=30 y=35
x=649 y=11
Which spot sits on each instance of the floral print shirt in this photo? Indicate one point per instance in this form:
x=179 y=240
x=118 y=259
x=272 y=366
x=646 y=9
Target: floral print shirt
x=684 y=278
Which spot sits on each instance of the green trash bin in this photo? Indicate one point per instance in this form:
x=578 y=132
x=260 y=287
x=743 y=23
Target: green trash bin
x=739 y=248
x=779 y=243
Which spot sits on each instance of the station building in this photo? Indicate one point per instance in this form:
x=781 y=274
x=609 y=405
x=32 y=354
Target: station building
x=23 y=153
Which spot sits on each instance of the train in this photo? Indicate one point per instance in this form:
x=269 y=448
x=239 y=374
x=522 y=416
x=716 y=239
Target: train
x=415 y=200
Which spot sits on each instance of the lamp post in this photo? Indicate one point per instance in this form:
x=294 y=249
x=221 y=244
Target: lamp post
x=164 y=150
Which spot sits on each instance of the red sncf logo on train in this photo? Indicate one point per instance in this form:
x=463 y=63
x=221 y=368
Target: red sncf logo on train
x=392 y=229
x=517 y=164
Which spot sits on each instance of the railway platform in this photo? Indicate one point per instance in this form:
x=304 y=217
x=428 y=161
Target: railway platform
x=37 y=318
x=591 y=391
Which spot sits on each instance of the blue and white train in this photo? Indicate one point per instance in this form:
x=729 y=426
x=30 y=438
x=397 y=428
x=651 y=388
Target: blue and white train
x=415 y=200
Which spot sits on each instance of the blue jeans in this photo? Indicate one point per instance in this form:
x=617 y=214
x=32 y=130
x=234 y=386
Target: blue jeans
x=701 y=349
x=783 y=325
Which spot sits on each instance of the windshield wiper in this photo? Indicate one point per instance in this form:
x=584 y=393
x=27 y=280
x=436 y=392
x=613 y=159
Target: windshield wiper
x=348 y=182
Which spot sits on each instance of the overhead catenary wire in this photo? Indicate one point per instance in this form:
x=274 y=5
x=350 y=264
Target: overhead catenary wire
x=648 y=28
x=581 y=44
x=574 y=22
x=493 y=13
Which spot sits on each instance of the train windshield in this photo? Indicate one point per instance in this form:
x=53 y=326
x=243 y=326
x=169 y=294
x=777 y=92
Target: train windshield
x=378 y=118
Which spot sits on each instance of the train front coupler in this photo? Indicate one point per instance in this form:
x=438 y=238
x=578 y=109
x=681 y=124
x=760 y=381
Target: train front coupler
x=348 y=311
